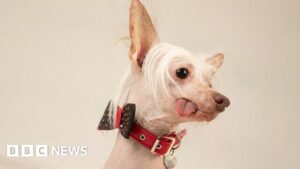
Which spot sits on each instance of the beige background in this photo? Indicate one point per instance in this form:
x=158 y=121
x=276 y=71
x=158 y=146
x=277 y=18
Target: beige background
x=59 y=65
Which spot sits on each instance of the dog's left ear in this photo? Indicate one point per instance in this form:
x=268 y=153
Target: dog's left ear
x=142 y=33
x=216 y=61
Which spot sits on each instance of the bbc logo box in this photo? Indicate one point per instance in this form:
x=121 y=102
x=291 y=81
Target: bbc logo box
x=26 y=150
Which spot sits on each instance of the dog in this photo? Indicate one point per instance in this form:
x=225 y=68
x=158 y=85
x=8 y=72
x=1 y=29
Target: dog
x=166 y=85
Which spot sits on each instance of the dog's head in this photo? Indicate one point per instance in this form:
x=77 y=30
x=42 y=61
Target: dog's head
x=169 y=84
x=178 y=81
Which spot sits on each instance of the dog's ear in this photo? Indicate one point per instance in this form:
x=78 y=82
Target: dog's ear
x=142 y=33
x=216 y=61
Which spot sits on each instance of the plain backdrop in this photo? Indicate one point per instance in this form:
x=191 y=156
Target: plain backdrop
x=60 y=62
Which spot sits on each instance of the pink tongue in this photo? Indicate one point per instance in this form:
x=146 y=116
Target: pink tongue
x=185 y=107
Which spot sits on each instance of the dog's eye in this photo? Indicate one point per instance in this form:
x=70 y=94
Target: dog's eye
x=182 y=73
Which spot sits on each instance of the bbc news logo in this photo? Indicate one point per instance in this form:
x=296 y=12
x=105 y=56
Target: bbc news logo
x=45 y=150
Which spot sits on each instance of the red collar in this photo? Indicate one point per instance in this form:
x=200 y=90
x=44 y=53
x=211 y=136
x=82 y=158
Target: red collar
x=161 y=145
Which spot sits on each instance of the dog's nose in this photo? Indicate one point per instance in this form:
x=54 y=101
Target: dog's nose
x=221 y=102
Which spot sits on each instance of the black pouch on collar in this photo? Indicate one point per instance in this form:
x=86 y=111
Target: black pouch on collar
x=127 y=119
x=107 y=121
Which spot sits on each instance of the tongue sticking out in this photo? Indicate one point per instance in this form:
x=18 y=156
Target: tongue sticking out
x=185 y=107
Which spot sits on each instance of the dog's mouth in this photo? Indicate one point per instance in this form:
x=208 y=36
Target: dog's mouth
x=187 y=108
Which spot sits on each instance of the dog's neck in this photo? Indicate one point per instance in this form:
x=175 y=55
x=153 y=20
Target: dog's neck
x=128 y=154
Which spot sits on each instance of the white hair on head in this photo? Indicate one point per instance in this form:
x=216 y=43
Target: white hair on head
x=156 y=69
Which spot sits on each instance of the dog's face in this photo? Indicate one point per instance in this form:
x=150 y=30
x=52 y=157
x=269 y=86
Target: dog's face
x=178 y=82
x=194 y=96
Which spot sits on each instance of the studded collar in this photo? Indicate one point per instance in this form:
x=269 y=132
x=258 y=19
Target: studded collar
x=125 y=120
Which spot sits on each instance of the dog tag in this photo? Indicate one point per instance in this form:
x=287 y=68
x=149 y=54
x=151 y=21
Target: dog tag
x=106 y=122
x=170 y=160
x=127 y=120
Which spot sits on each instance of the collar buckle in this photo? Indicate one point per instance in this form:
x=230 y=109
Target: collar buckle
x=156 y=144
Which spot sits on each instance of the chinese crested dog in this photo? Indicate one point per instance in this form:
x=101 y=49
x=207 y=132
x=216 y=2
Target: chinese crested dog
x=166 y=85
